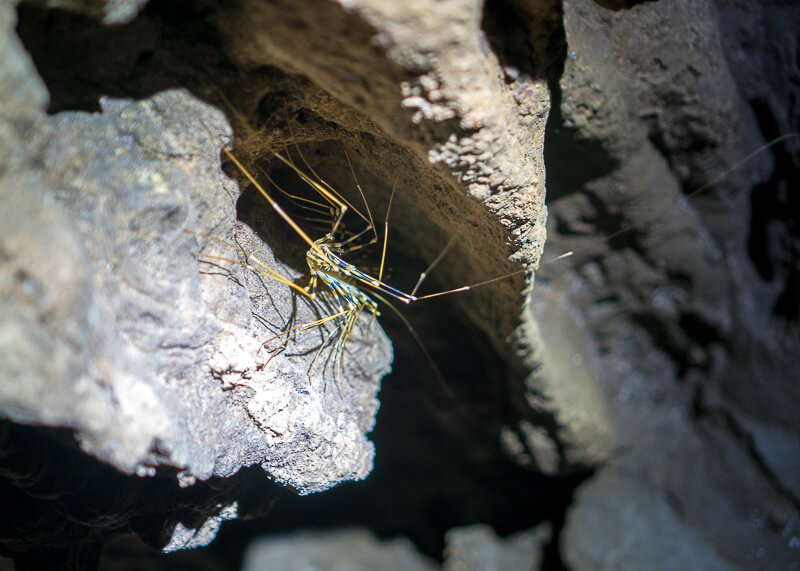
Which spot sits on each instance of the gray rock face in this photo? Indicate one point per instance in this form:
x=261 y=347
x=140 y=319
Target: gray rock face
x=355 y=549
x=634 y=528
x=656 y=102
x=111 y=12
x=478 y=547
x=155 y=359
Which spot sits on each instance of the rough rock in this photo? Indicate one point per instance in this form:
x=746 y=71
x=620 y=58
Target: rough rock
x=355 y=549
x=635 y=528
x=111 y=12
x=690 y=345
x=143 y=336
x=472 y=547
x=192 y=538
x=478 y=547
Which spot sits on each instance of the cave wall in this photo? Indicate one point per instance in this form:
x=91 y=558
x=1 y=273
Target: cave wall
x=658 y=358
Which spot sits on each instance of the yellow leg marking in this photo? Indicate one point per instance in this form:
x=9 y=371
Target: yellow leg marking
x=264 y=269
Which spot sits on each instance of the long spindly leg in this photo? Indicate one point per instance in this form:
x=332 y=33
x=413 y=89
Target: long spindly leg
x=335 y=198
x=263 y=269
x=314 y=206
x=350 y=322
x=333 y=354
x=291 y=333
x=275 y=206
x=386 y=231
x=348 y=317
x=260 y=267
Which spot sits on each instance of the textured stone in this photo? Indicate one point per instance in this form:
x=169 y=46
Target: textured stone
x=478 y=547
x=345 y=549
x=654 y=103
x=144 y=337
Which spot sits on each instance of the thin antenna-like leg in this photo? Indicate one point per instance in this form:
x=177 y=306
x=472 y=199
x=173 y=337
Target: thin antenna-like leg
x=364 y=198
x=471 y=286
x=435 y=263
x=386 y=231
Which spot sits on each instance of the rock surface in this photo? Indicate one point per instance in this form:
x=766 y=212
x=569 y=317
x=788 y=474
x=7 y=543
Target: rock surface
x=688 y=342
x=478 y=547
x=473 y=547
x=145 y=336
x=344 y=549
